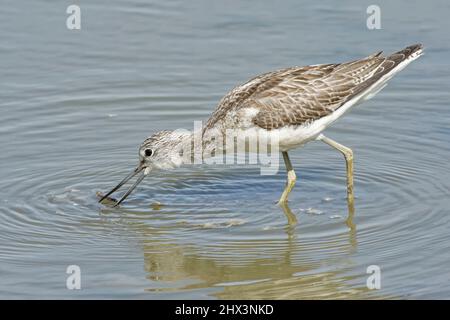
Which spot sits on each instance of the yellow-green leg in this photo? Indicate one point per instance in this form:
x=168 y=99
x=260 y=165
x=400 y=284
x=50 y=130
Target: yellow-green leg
x=348 y=154
x=291 y=218
x=291 y=178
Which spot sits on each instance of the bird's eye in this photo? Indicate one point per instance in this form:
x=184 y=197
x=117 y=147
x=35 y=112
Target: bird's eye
x=148 y=152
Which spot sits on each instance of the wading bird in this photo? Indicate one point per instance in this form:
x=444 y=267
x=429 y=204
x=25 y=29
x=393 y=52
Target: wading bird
x=297 y=104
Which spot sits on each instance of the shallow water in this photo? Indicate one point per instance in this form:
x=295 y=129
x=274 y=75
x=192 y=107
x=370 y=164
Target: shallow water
x=76 y=105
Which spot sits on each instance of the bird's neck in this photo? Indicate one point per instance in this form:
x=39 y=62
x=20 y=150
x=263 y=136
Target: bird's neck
x=194 y=146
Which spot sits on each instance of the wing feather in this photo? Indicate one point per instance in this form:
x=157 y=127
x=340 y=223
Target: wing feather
x=298 y=95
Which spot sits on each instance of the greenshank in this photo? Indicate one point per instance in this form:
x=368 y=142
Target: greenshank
x=296 y=104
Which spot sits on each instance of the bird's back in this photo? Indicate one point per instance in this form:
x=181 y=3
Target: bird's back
x=301 y=95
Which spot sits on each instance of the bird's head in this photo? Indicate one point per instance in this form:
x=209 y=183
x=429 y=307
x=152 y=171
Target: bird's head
x=163 y=150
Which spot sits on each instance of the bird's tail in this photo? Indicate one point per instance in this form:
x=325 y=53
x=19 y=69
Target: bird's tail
x=408 y=54
x=391 y=65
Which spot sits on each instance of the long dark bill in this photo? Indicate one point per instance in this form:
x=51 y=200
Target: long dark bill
x=139 y=180
x=121 y=183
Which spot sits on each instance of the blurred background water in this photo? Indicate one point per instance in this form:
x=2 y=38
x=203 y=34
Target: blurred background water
x=75 y=105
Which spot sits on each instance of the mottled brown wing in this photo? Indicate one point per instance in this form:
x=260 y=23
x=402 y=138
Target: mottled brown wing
x=309 y=93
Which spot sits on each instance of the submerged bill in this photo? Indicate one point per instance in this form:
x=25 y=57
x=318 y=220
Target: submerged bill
x=108 y=201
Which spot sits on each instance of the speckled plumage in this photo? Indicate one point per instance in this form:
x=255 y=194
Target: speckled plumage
x=298 y=95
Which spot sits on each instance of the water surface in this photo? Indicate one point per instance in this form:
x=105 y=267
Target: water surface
x=77 y=104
